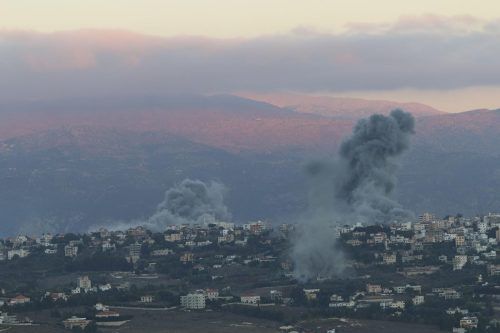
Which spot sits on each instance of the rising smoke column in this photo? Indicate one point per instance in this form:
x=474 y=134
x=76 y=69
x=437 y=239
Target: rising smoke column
x=188 y=202
x=191 y=201
x=356 y=187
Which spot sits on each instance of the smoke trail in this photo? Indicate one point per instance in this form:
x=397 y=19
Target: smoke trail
x=356 y=187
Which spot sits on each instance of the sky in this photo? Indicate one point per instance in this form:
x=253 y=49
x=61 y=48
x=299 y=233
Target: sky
x=443 y=53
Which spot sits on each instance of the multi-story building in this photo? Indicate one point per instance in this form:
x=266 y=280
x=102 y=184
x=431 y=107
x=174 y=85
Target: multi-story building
x=459 y=262
x=70 y=251
x=84 y=283
x=193 y=301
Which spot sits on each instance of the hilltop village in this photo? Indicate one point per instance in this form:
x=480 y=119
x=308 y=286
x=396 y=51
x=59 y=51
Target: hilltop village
x=441 y=272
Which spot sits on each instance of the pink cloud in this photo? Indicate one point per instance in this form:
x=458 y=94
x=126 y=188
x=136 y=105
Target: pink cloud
x=420 y=52
x=80 y=49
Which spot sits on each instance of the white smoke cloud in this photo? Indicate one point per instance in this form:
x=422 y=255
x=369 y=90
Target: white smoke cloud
x=188 y=202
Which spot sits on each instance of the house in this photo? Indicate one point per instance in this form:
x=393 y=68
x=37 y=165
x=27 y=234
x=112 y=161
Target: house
x=108 y=246
x=193 y=301
x=354 y=242
x=146 y=299
x=255 y=228
x=447 y=293
x=105 y=287
x=134 y=252
x=459 y=262
x=137 y=232
x=84 y=283
x=459 y=240
x=399 y=289
x=187 y=257
x=56 y=296
x=379 y=238
x=276 y=295
x=75 y=322
x=311 y=294
x=250 y=299
x=212 y=294
x=452 y=311
x=5 y=318
x=400 y=305
x=107 y=314
x=70 y=251
x=50 y=251
x=349 y=304
x=389 y=258
x=161 y=252
x=21 y=253
x=494 y=270
x=469 y=322
x=175 y=237
x=101 y=307
x=19 y=299
x=417 y=300
x=373 y=288
x=383 y=301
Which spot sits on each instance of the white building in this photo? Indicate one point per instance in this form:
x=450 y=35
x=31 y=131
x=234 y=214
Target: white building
x=70 y=251
x=459 y=262
x=84 y=283
x=250 y=299
x=161 y=252
x=21 y=253
x=417 y=300
x=193 y=301
x=147 y=299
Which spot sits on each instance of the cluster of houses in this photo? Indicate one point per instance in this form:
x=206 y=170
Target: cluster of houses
x=474 y=242
x=185 y=236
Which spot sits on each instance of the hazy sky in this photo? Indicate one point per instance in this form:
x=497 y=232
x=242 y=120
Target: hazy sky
x=443 y=53
x=224 y=18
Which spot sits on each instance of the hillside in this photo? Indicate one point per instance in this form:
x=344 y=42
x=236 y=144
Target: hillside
x=223 y=121
x=340 y=107
x=68 y=166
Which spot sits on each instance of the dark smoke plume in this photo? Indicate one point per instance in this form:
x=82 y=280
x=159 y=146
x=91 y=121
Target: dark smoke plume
x=357 y=187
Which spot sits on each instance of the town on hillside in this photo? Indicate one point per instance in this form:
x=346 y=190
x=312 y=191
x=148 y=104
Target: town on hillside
x=443 y=273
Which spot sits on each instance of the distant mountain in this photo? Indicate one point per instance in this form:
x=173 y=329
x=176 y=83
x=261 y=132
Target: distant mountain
x=67 y=165
x=223 y=121
x=72 y=178
x=340 y=107
x=475 y=131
